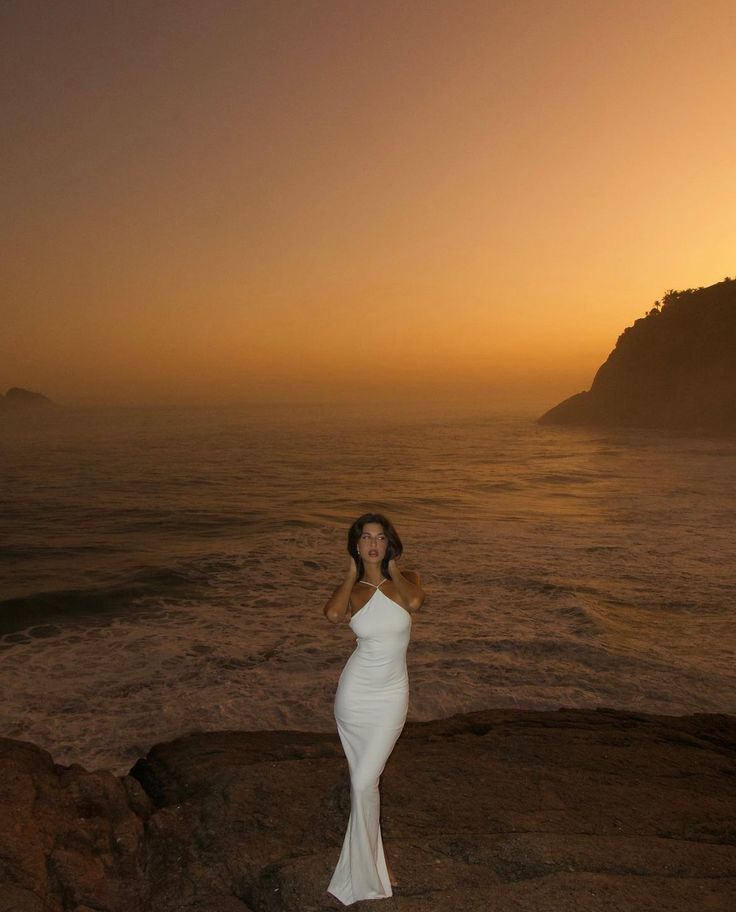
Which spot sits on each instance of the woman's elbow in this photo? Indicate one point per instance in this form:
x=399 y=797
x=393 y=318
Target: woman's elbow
x=416 y=602
x=332 y=615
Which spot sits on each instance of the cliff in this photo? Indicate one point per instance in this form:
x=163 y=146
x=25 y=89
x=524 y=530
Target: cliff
x=675 y=368
x=571 y=811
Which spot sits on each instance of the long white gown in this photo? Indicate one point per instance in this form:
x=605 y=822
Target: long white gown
x=370 y=710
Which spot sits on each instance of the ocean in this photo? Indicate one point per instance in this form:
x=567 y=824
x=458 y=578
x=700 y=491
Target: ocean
x=163 y=570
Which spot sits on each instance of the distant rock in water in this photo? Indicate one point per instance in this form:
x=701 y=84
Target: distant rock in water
x=675 y=368
x=16 y=397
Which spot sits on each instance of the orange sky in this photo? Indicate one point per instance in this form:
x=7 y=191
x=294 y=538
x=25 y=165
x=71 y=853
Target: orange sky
x=229 y=201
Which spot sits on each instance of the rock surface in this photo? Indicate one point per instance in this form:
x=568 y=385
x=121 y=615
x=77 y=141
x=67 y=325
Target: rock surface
x=673 y=369
x=568 y=811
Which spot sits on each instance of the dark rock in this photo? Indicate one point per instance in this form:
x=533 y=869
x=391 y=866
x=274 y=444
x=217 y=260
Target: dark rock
x=18 y=398
x=69 y=838
x=571 y=811
x=673 y=369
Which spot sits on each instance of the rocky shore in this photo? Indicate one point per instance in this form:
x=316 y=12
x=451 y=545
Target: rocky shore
x=567 y=811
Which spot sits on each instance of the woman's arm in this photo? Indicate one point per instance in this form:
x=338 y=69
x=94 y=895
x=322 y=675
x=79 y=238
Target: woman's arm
x=338 y=604
x=408 y=586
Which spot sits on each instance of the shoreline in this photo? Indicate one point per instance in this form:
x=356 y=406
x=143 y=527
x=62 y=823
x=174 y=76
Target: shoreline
x=65 y=758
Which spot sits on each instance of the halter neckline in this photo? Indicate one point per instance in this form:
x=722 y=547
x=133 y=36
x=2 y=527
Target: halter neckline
x=371 y=584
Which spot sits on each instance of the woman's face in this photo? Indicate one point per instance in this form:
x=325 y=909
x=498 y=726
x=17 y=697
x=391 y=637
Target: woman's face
x=372 y=543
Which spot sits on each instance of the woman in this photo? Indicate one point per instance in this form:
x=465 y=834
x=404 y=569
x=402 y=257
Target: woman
x=373 y=693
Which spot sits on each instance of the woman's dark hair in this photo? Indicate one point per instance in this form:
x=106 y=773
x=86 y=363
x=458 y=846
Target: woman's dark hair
x=393 y=550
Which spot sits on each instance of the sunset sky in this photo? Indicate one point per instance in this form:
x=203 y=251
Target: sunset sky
x=209 y=201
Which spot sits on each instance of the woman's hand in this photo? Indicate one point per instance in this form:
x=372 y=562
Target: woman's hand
x=338 y=604
x=352 y=569
x=408 y=586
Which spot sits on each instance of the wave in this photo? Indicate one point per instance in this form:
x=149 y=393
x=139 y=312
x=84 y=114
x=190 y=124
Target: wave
x=12 y=553
x=84 y=605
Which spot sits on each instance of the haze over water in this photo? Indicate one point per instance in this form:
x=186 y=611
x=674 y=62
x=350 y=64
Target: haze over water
x=165 y=569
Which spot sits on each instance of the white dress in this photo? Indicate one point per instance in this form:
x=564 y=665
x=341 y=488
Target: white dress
x=370 y=710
